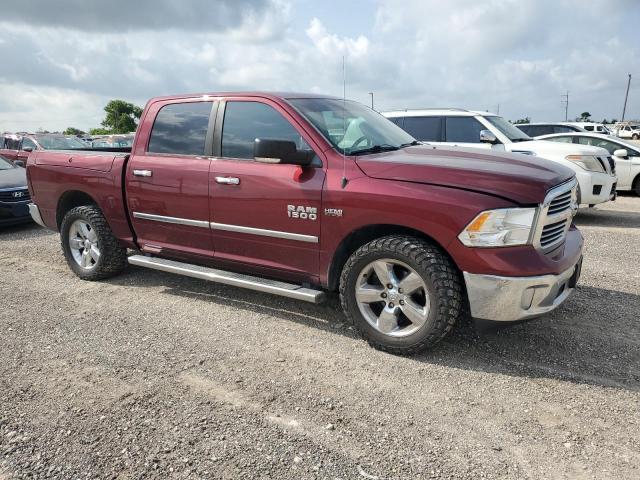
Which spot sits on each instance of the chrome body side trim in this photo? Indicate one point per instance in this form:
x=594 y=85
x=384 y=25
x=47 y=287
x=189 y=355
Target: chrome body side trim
x=265 y=233
x=174 y=220
x=34 y=211
x=226 y=227
x=506 y=299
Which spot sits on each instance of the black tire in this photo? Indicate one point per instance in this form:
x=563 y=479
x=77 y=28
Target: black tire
x=635 y=137
x=113 y=257
x=441 y=278
x=636 y=185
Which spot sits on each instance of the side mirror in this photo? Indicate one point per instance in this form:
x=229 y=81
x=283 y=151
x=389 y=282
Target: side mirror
x=27 y=149
x=19 y=163
x=280 y=151
x=487 y=136
x=621 y=153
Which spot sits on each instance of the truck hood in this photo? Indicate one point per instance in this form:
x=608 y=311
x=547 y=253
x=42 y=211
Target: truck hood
x=13 y=177
x=523 y=179
x=555 y=149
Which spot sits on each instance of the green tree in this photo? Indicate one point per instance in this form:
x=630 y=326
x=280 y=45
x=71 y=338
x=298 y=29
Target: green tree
x=73 y=131
x=99 y=131
x=584 y=117
x=522 y=120
x=122 y=117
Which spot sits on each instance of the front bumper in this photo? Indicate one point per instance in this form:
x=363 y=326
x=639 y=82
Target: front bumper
x=596 y=188
x=509 y=299
x=14 y=213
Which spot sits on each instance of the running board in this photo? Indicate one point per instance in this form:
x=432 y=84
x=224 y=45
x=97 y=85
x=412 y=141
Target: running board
x=229 y=278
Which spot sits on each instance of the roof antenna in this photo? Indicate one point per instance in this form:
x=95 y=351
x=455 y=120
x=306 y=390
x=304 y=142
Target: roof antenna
x=344 y=124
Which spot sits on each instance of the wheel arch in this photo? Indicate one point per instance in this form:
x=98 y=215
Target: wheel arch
x=635 y=184
x=364 y=235
x=71 y=199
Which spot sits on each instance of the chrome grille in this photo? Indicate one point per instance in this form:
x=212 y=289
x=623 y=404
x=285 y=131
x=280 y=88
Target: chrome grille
x=560 y=203
x=552 y=233
x=554 y=218
x=14 y=195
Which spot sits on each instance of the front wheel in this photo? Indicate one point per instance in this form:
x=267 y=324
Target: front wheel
x=402 y=294
x=89 y=246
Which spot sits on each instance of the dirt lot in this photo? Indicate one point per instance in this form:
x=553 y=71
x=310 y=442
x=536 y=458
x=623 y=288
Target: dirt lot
x=151 y=375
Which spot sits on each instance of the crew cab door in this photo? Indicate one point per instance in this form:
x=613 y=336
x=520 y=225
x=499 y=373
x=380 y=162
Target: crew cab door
x=266 y=216
x=167 y=180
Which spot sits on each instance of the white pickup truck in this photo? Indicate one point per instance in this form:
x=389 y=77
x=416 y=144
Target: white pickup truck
x=594 y=167
x=628 y=131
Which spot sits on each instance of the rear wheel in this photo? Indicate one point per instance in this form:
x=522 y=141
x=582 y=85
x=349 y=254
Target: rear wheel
x=402 y=293
x=636 y=185
x=89 y=246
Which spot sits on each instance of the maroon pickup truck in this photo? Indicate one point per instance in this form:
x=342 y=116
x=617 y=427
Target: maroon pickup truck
x=296 y=195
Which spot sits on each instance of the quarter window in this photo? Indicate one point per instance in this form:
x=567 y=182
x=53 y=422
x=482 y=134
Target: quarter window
x=463 y=130
x=246 y=121
x=427 y=129
x=181 y=129
x=28 y=143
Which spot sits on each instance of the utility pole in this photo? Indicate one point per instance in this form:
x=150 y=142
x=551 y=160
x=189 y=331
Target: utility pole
x=565 y=102
x=371 y=93
x=626 y=96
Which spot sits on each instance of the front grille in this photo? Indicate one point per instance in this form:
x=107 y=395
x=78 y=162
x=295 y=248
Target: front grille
x=9 y=196
x=612 y=164
x=555 y=216
x=552 y=233
x=560 y=203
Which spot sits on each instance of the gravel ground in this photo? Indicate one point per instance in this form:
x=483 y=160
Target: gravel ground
x=151 y=375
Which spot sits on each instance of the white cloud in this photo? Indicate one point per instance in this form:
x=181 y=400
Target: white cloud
x=520 y=54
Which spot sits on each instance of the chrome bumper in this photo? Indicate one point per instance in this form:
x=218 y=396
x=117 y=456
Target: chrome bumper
x=506 y=299
x=35 y=214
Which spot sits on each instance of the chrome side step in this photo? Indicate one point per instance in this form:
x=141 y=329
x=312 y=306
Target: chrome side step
x=230 y=278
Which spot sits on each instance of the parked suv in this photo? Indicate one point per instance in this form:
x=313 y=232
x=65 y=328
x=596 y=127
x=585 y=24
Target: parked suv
x=272 y=193
x=536 y=129
x=594 y=167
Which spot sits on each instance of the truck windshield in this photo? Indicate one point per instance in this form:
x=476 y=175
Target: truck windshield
x=352 y=128
x=508 y=130
x=52 y=142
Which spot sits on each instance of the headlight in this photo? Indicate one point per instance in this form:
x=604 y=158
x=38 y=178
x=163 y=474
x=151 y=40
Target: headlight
x=499 y=228
x=588 y=162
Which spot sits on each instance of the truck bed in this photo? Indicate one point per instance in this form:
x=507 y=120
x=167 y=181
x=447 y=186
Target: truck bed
x=90 y=159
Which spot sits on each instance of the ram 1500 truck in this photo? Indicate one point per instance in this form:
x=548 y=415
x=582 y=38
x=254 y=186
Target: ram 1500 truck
x=296 y=195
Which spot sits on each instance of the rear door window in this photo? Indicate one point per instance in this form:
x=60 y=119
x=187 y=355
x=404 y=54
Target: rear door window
x=428 y=129
x=463 y=129
x=180 y=129
x=246 y=121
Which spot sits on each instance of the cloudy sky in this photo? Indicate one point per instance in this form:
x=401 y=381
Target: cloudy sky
x=63 y=60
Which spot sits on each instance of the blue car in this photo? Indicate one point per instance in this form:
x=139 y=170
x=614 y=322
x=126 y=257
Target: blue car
x=14 y=194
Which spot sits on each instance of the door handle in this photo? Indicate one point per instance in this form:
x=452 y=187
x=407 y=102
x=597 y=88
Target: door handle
x=228 y=180
x=142 y=173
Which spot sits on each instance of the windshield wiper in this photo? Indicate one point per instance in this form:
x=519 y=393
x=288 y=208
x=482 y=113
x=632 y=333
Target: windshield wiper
x=375 y=149
x=410 y=144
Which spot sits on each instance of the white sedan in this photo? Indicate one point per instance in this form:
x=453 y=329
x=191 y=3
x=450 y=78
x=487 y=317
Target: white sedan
x=626 y=155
